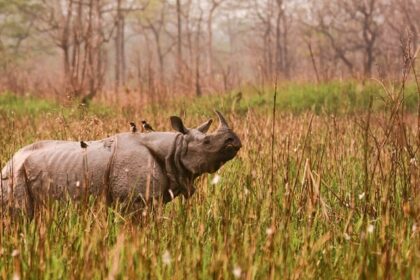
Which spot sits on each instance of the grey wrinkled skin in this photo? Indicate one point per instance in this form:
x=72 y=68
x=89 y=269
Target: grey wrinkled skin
x=135 y=168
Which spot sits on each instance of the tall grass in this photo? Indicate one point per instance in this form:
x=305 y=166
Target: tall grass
x=344 y=204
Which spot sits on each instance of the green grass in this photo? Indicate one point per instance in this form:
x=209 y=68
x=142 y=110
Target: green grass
x=341 y=206
x=346 y=97
x=10 y=103
x=17 y=106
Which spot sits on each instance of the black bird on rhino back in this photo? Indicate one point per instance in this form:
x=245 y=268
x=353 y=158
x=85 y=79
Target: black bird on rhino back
x=134 y=168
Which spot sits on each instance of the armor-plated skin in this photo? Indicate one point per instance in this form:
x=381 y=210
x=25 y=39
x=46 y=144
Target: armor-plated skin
x=134 y=168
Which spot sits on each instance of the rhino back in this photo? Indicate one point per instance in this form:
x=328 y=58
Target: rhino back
x=120 y=166
x=67 y=169
x=57 y=169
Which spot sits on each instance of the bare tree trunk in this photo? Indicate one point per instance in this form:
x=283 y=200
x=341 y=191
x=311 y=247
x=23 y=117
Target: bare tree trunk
x=100 y=60
x=369 y=35
x=65 y=41
x=369 y=59
x=210 y=43
x=268 y=52
x=279 y=48
x=122 y=50
x=179 y=34
x=77 y=41
x=66 y=60
x=89 y=52
x=139 y=73
x=308 y=43
x=214 y=6
x=189 y=36
x=286 y=57
x=118 y=50
x=198 y=91
x=160 y=58
x=86 y=63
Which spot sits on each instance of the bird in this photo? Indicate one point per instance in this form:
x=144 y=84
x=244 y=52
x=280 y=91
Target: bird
x=133 y=127
x=83 y=145
x=147 y=126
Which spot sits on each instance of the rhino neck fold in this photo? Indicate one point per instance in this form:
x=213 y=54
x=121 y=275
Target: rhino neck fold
x=159 y=143
x=169 y=148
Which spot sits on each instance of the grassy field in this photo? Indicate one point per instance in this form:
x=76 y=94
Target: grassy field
x=333 y=193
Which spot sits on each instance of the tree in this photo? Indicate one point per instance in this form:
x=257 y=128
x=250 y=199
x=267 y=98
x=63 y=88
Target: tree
x=122 y=10
x=352 y=28
x=15 y=29
x=154 y=21
x=214 y=5
x=272 y=27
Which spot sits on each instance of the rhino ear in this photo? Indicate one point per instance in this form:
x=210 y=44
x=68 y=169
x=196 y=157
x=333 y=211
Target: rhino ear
x=205 y=126
x=177 y=124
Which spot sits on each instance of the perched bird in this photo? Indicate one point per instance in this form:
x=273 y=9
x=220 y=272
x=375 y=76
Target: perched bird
x=146 y=126
x=83 y=145
x=133 y=127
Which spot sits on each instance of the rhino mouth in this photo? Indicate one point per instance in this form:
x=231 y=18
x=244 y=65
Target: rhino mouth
x=229 y=152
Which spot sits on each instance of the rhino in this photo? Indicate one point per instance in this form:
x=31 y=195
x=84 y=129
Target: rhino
x=132 y=168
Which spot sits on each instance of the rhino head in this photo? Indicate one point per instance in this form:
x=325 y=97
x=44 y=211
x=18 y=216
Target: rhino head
x=206 y=153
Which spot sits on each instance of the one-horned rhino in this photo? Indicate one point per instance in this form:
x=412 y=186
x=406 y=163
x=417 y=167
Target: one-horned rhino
x=128 y=167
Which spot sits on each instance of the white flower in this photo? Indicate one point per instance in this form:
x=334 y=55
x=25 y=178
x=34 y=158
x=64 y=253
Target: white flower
x=171 y=194
x=166 y=258
x=16 y=276
x=362 y=195
x=78 y=184
x=346 y=236
x=216 y=179
x=370 y=228
x=413 y=161
x=126 y=170
x=269 y=231
x=15 y=253
x=237 y=271
x=414 y=228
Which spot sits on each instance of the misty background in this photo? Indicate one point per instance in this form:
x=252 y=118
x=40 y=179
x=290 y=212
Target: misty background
x=157 y=48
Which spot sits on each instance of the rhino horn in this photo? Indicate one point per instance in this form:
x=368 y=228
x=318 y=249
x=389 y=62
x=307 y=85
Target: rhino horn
x=205 y=126
x=222 y=122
